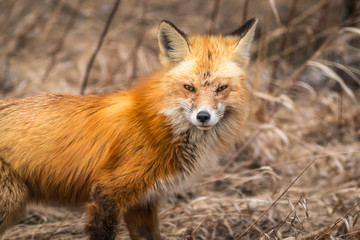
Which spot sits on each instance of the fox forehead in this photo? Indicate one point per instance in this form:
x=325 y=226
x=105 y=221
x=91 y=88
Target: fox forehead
x=210 y=58
x=211 y=47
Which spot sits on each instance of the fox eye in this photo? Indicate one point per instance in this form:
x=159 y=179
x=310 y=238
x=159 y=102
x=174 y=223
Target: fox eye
x=189 y=88
x=221 y=88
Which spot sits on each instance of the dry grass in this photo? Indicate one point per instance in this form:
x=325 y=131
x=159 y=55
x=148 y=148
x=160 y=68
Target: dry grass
x=305 y=80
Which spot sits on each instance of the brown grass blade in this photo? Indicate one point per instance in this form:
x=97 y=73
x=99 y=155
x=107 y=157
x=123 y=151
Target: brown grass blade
x=331 y=74
x=337 y=222
x=277 y=199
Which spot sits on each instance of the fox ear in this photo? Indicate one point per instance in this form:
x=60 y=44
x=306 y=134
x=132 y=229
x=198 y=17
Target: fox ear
x=246 y=34
x=173 y=44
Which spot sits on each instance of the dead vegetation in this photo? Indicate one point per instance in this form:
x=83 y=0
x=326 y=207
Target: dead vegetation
x=295 y=173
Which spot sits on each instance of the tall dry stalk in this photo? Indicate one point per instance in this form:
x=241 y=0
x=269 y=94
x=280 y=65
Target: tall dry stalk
x=97 y=49
x=282 y=44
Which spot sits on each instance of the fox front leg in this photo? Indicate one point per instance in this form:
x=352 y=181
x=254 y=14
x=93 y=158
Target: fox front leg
x=142 y=221
x=103 y=216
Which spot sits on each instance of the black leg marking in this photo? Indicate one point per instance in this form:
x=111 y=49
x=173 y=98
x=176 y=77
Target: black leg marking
x=103 y=216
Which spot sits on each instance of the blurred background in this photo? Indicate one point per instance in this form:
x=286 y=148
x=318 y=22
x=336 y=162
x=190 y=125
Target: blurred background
x=304 y=78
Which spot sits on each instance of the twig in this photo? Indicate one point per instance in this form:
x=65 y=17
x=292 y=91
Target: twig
x=350 y=233
x=97 y=49
x=140 y=40
x=313 y=234
x=61 y=42
x=214 y=15
x=275 y=12
x=125 y=25
x=281 y=195
x=198 y=226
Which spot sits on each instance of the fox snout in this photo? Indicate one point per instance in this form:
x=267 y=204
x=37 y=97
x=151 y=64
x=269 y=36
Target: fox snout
x=205 y=118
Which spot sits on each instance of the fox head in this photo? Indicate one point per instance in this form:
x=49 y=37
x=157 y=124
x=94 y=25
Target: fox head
x=205 y=74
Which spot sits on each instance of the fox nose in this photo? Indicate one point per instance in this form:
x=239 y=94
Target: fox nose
x=203 y=116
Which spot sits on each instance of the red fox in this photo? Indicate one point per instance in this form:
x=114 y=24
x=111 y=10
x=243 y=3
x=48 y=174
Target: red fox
x=119 y=153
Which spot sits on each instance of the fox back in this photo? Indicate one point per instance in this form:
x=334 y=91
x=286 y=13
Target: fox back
x=119 y=153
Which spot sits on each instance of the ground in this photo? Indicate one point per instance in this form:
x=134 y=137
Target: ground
x=295 y=171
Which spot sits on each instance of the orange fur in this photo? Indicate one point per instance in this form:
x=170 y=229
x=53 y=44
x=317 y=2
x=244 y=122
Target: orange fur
x=119 y=152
